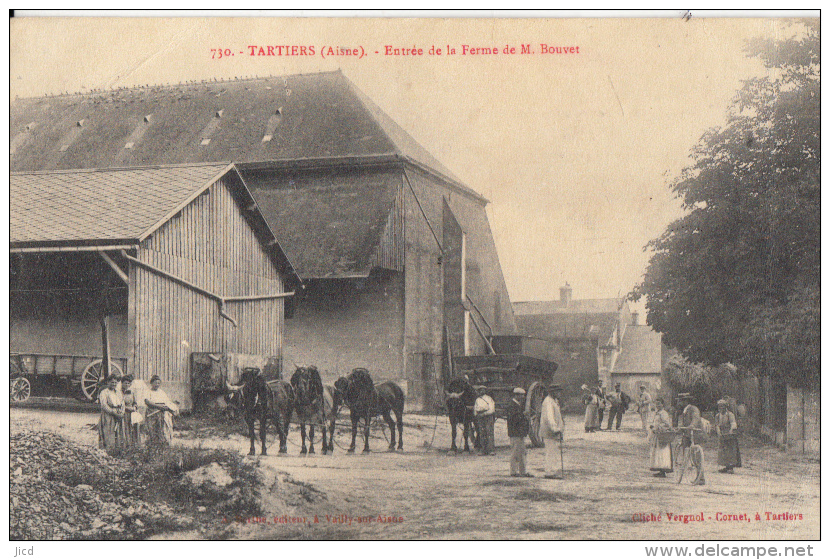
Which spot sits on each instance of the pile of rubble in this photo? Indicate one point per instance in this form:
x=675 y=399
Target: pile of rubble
x=61 y=490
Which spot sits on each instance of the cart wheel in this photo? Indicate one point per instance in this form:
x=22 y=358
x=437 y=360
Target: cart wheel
x=533 y=408
x=20 y=390
x=91 y=378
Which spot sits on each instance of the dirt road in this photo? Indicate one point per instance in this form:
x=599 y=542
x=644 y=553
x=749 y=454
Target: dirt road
x=425 y=492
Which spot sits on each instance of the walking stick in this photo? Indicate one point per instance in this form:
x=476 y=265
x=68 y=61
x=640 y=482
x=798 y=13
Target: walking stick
x=562 y=453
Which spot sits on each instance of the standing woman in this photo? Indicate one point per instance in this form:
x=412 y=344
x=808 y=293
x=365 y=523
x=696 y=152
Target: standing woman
x=111 y=424
x=160 y=411
x=729 y=455
x=592 y=401
x=133 y=413
x=662 y=458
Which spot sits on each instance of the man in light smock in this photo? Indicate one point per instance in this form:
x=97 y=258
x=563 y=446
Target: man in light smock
x=552 y=429
x=644 y=404
x=484 y=409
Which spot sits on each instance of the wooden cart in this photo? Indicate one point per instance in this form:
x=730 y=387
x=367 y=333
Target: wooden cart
x=501 y=373
x=66 y=375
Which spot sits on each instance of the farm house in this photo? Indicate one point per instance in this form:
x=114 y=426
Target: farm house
x=176 y=258
x=396 y=255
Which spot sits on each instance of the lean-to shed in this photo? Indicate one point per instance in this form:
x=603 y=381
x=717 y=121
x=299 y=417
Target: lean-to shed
x=178 y=257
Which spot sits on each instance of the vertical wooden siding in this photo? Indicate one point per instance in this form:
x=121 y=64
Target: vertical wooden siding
x=390 y=251
x=210 y=244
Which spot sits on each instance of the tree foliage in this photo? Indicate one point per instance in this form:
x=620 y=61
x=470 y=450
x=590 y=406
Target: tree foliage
x=737 y=279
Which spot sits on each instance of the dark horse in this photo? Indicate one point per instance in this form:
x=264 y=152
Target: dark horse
x=460 y=398
x=263 y=400
x=314 y=404
x=366 y=401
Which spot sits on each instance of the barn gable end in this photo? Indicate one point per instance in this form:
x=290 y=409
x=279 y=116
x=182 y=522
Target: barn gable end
x=209 y=244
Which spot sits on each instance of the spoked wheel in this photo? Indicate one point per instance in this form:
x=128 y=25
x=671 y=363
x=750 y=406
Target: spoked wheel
x=20 y=390
x=533 y=408
x=692 y=464
x=92 y=378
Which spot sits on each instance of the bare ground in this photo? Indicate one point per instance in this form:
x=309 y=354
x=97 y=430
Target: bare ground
x=425 y=492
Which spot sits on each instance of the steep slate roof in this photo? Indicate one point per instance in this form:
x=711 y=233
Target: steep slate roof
x=307 y=115
x=640 y=351
x=111 y=206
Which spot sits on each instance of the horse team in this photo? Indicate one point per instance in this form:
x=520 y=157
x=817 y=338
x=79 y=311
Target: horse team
x=315 y=404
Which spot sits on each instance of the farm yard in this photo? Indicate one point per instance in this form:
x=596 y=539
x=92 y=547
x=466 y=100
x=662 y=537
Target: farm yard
x=421 y=493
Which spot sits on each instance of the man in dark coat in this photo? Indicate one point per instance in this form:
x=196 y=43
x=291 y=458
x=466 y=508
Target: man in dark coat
x=518 y=427
x=619 y=404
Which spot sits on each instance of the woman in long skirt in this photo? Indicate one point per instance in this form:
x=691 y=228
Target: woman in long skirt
x=729 y=454
x=134 y=410
x=160 y=411
x=662 y=460
x=111 y=423
x=591 y=412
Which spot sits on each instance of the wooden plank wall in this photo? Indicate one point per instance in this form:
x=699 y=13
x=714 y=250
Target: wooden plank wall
x=390 y=251
x=210 y=244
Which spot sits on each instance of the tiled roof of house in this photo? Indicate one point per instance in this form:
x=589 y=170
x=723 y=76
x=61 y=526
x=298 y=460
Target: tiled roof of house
x=579 y=318
x=572 y=307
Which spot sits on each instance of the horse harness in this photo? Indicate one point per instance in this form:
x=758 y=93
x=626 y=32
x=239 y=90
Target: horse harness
x=349 y=404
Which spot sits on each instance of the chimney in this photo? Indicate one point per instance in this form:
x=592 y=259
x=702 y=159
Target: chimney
x=565 y=294
x=635 y=318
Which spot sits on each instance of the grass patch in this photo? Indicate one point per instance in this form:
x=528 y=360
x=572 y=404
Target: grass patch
x=536 y=495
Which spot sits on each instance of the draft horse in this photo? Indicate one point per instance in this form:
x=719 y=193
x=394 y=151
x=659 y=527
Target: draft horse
x=366 y=401
x=263 y=400
x=314 y=404
x=460 y=399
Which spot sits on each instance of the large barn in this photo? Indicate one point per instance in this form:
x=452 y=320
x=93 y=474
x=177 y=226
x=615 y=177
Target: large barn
x=176 y=257
x=396 y=255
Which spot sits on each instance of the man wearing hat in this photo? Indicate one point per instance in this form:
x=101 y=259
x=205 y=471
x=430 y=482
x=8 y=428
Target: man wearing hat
x=484 y=410
x=517 y=429
x=644 y=404
x=619 y=404
x=552 y=429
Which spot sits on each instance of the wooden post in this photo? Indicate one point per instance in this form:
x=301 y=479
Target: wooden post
x=105 y=345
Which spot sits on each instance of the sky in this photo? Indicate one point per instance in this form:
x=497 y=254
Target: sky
x=575 y=151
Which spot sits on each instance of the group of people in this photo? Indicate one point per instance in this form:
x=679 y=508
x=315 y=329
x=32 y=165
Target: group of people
x=518 y=428
x=133 y=415
x=692 y=427
x=616 y=403
x=551 y=429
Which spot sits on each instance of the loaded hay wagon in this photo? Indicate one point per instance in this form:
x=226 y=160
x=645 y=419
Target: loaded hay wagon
x=501 y=373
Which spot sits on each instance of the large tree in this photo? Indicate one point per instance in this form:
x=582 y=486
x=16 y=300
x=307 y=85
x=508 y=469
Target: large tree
x=737 y=279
